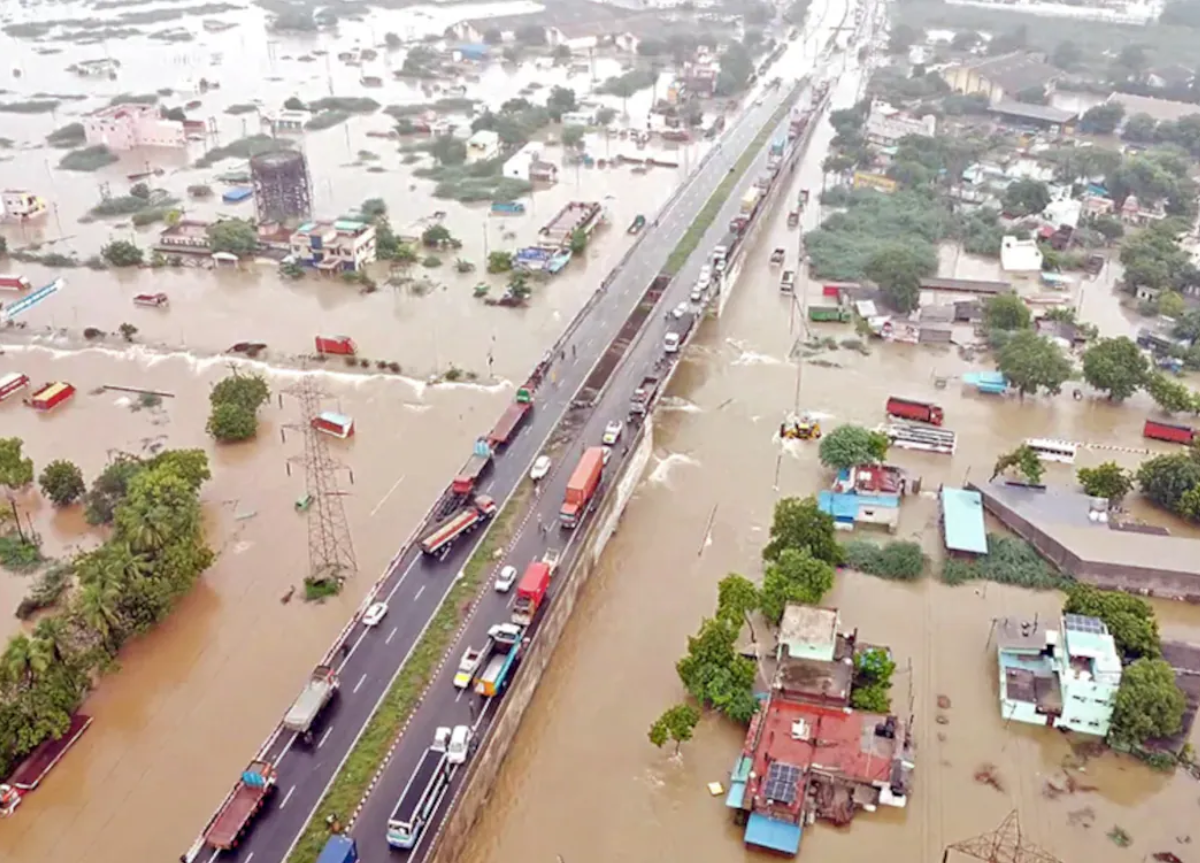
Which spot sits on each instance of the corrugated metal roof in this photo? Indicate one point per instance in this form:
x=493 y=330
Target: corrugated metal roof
x=963 y=521
x=771 y=833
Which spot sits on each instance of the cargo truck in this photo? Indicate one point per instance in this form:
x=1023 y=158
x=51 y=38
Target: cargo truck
x=678 y=332
x=241 y=806
x=476 y=466
x=913 y=410
x=512 y=419
x=321 y=687
x=639 y=402
x=14 y=283
x=1156 y=430
x=422 y=795
x=339 y=849
x=336 y=345
x=829 y=314
x=530 y=592
x=750 y=200
x=499 y=659
x=582 y=487
x=471 y=516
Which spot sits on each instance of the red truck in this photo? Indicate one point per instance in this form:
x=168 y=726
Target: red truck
x=582 y=486
x=477 y=464
x=339 y=345
x=14 y=283
x=241 y=806
x=530 y=592
x=439 y=541
x=512 y=419
x=921 y=411
x=1168 y=432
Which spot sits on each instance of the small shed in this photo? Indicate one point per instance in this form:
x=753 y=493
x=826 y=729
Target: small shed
x=237 y=194
x=962 y=521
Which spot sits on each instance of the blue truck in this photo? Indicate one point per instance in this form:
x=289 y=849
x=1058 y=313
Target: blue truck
x=339 y=849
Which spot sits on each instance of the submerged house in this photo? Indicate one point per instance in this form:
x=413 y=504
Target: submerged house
x=867 y=494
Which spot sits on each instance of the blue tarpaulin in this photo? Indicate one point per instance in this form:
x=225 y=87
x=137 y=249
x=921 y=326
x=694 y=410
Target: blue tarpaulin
x=773 y=834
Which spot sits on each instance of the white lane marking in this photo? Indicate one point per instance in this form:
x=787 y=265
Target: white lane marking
x=403 y=576
x=420 y=590
x=213 y=857
x=384 y=499
x=286 y=747
x=488 y=487
x=249 y=857
x=458 y=697
x=287 y=797
x=391 y=634
x=360 y=683
x=324 y=737
x=353 y=648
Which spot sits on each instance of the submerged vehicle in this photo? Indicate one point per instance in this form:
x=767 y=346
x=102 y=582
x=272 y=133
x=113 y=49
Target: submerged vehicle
x=800 y=428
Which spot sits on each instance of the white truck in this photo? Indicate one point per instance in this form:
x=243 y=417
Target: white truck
x=678 y=332
x=319 y=691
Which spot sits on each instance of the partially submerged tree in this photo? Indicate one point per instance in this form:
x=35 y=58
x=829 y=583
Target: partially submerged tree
x=1006 y=312
x=1149 y=703
x=715 y=675
x=1108 y=480
x=848 y=446
x=62 y=482
x=795 y=576
x=1024 y=459
x=1116 y=366
x=676 y=723
x=1030 y=363
x=1130 y=619
x=798 y=523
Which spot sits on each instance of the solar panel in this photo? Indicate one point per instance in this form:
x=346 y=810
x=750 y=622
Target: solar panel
x=782 y=783
x=1082 y=623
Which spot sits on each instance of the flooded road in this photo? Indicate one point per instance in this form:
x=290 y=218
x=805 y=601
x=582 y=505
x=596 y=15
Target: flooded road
x=583 y=785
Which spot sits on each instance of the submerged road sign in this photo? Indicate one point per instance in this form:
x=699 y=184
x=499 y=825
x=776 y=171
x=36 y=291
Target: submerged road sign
x=30 y=300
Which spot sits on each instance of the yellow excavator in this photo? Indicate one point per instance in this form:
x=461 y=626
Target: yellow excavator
x=800 y=428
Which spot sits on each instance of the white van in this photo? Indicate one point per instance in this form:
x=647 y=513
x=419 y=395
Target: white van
x=459 y=746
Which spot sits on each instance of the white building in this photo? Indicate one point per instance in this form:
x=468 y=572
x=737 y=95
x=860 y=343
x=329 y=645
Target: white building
x=484 y=144
x=19 y=204
x=520 y=164
x=126 y=127
x=1020 y=256
x=887 y=126
x=342 y=246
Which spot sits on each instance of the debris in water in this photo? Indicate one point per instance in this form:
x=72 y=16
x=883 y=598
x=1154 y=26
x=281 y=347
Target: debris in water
x=943 y=702
x=1166 y=857
x=942 y=719
x=716 y=789
x=1085 y=817
x=287 y=597
x=1119 y=837
x=242 y=516
x=988 y=774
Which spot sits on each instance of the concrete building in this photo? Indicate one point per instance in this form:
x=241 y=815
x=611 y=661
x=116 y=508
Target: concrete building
x=938 y=291
x=1025 y=115
x=126 y=127
x=1002 y=78
x=484 y=144
x=1061 y=678
x=188 y=236
x=807 y=632
x=341 y=246
x=867 y=494
x=1020 y=256
x=21 y=205
x=887 y=126
x=1162 y=110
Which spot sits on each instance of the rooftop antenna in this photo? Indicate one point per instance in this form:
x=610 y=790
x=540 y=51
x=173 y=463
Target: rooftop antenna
x=331 y=557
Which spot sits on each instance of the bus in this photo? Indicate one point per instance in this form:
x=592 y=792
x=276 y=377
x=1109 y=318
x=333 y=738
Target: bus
x=1053 y=450
x=422 y=795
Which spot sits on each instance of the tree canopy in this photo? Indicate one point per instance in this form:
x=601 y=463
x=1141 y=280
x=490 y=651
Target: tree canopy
x=795 y=576
x=235 y=402
x=1026 y=198
x=1170 y=395
x=1148 y=704
x=1130 y=619
x=16 y=470
x=1006 y=312
x=1108 y=480
x=1171 y=482
x=736 y=598
x=799 y=524
x=715 y=675
x=898 y=271
x=234 y=236
x=849 y=445
x=1024 y=459
x=1102 y=119
x=1030 y=363
x=872 y=681
x=676 y=723
x=62 y=482
x=1116 y=366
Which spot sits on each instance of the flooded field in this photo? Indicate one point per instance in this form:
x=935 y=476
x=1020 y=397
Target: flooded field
x=586 y=729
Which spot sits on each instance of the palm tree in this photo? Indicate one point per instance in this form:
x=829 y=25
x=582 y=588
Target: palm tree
x=98 y=608
x=52 y=635
x=24 y=660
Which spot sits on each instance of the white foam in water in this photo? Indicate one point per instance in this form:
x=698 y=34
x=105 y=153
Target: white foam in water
x=680 y=405
x=663 y=468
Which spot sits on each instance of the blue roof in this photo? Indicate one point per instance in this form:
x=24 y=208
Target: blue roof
x=988 y=382
x=843 y=507
x=238 y=193
x=771 y=833
x=737 y=793
x=963 y=517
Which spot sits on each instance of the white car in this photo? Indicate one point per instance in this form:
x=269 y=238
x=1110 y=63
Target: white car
x=605 y=454
x=467 y=667
x=612 y=432
x=375 y=613
x=459 y=746
x=504 y=581
x=697 y=294
x=680 y=310
x=541 y=467
x=705 y=276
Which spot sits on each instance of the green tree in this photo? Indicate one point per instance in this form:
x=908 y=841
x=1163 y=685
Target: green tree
x=1130 y=619
x=500 y=262
x=122 y=253
x=1006 y=312
x=109 y=488
x=715 y=675
x=849 y=445
x=391 y=40
x=798 y=523
x=1171 y=304
x=561 y=101
x=229 y=422
x=869 y=691
x=518 y=286
x=676 y=723
x=1148 y=704
x=1102 y=119
x=1030 y=363
x=140 y=190
x=902 y=38
x=448 y=150
x=1116 y=366
x=1024 y=459
x=1108 y=480
x=62 y=482
x=1067 y=55
x=795 y=576
x=373 y=209
x=435 y=236
x=605 y=116
x=572 y=137
x=16 y=471
x=579 y=242
x=250 y=391
x=293 y=103
x=1171 y=396
x=736 y=598
x=1165 y=479
x=1026 y=197
x=898 y=270
x=233 y=236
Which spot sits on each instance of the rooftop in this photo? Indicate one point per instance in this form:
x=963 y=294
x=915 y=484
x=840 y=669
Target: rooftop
x=1025 y=636
x=1045 y=113
x=1017 y=71
x=809 y=625
x=966 y=286
x=1031 y=679
x=122 y=109
x=962 y=512
x=816 y=680
x=1159 y=109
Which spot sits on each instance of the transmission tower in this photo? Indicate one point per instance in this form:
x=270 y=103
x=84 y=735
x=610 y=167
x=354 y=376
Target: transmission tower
x=330 y=547
x=1005 y=844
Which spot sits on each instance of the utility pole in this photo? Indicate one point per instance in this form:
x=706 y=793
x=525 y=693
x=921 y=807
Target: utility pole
x=331 y=557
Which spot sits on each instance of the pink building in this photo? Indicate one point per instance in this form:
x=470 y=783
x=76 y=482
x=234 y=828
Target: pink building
x=126 y=127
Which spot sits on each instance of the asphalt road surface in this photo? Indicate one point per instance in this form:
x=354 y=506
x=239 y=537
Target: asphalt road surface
x=447 y=706
x=416 y=585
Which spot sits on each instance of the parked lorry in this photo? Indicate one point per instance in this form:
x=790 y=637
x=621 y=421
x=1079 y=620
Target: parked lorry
x=581 y=487
x=340 y=848
x=913 y=410
x=338 y=345
x=639 y=402
x=440 y=540
x=512 y=419
x=829 y=314
x=500 y=657
x=480 y=460
x=1156 y=430
x=241 y=806
x=420 y=798
x=321 y=687
x=14 y=283
x=787 y=282
x=750 y=200
x=678 y=332
x=531 y=591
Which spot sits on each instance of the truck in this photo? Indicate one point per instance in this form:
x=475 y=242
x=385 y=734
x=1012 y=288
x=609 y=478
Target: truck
x=750 y=200
x=14 y=283
x=321 y=687
x=241 y=806
x=581 y=487
x=421 y=796
x=337 y=345
x=829 y=314
x=531 y=591
x=512 y=419
x=499 y=658
x=1156 y=430
x=787 y=282
x=678 y=332
x=639 y=402
x=913 y=410
x=440 y=540
x=339 y=849
x=480 y=460
x=777 y=146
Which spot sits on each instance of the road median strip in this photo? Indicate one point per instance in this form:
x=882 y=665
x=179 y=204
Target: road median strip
x=387 y=724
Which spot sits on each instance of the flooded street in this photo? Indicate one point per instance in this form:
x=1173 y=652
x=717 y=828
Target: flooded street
x=583 y=785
